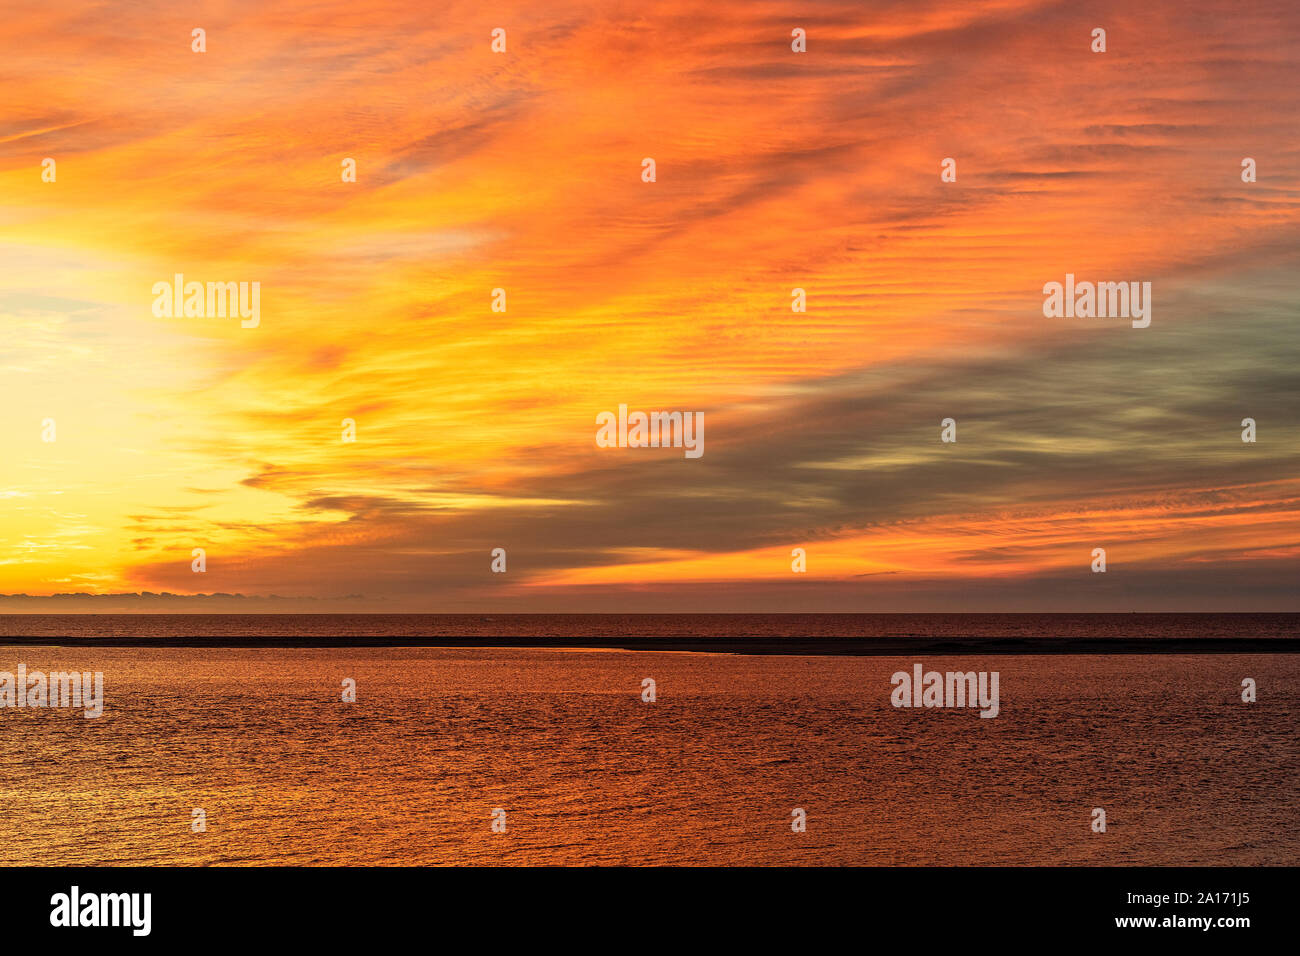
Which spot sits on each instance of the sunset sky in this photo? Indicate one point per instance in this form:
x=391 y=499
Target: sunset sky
x=522 y=170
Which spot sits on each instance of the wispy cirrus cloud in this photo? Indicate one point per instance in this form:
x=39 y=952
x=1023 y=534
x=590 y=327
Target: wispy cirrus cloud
x=776 y=170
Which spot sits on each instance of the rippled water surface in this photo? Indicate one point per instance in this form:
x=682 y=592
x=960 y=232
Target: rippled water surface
x=588 y=773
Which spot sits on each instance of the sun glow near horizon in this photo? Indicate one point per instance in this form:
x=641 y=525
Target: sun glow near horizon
x=521 y=171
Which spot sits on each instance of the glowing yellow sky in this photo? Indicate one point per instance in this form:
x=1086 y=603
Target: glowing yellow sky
x=521 y=170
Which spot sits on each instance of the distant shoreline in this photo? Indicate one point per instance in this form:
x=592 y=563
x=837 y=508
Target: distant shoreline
x=780 y=646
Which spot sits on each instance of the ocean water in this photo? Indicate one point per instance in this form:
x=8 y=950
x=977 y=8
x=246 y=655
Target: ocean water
x=722 y=626
x=588 y=773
